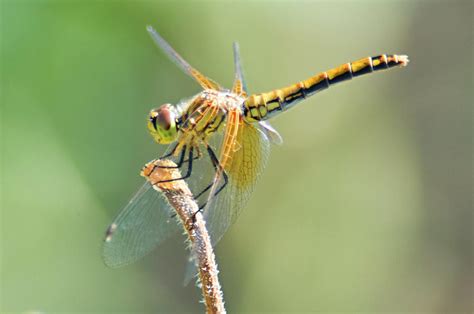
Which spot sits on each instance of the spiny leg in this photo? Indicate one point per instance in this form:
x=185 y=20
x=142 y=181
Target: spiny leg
x=217 y=167
x=190 y=166
x=170 y=153
x=180 y=161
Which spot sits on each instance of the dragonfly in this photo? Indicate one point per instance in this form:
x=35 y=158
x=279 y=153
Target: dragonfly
x=221 y=140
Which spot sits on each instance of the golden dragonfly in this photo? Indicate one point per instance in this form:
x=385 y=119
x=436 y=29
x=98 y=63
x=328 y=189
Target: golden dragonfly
x=222 y=173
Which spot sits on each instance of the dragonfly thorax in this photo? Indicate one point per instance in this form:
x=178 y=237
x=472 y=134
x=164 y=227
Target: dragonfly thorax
x=206 y=113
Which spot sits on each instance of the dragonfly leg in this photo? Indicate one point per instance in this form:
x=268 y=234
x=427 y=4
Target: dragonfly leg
x=215 y=163
x=180 y=161
x=170 y=153
x=217 y=166
x=190 y=166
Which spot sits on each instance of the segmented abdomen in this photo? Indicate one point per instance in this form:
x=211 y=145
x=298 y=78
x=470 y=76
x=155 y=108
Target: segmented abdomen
x=266 y=105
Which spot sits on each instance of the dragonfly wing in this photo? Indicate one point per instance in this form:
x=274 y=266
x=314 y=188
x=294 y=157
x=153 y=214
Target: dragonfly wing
x=204 y=81
x=249 y=151
x=240 y=86
x=191 y=270
x=143 y=224
x=270 y=132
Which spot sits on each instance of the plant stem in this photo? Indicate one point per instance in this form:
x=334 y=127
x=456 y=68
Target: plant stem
x=181 y=199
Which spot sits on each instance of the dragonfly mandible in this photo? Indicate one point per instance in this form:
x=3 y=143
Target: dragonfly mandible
x=223 y=173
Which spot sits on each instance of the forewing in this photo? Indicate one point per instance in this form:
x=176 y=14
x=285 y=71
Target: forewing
x=240 y=86
x=143 y=224
x=249 y=156
x=204 y=81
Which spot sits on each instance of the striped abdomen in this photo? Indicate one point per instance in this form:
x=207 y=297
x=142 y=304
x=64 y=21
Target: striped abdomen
x=266 y=105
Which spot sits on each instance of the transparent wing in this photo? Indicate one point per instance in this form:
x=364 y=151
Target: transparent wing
x=204 y=81
x=270 y=132
x=143 y=224
x=240 y=86
x=251 y=149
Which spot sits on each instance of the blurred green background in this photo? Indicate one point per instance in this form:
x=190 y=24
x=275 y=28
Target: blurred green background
x=367 y=207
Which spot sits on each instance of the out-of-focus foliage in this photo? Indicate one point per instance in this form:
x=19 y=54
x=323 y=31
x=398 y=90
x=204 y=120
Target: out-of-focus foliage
x=367 y=206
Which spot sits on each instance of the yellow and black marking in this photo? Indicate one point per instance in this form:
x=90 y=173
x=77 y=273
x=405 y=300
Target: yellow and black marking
x=264 y=106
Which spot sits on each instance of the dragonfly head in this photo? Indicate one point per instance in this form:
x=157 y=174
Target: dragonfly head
x=162 y=124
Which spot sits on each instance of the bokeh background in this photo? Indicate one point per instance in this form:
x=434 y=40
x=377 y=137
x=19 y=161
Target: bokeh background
x=367 y=207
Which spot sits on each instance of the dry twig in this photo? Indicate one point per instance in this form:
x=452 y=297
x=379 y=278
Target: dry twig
x=181 y=199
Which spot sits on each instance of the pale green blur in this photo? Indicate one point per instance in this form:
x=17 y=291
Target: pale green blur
x=367 y=207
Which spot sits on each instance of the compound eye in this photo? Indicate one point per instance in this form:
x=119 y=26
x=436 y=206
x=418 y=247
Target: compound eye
x=165 y=118
x=162 y=117
x=162 y=124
